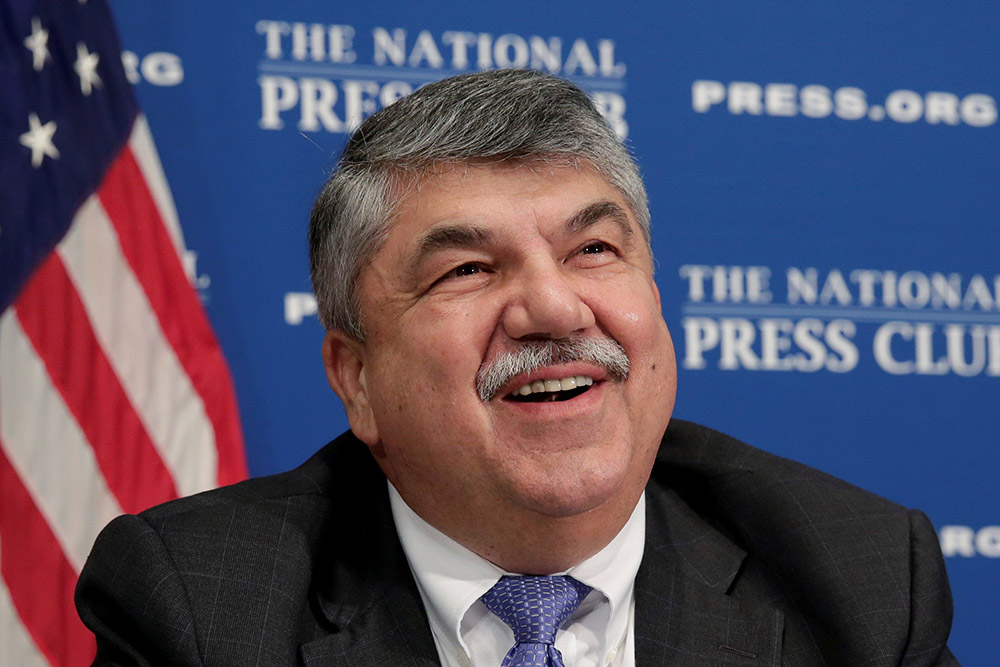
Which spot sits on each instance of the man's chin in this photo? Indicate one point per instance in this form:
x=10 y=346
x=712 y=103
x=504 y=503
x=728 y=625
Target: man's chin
x=567 y=493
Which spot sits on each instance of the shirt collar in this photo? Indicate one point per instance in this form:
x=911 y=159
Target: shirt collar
x=451 y=578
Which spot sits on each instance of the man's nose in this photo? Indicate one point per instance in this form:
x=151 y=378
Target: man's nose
x=545 y=302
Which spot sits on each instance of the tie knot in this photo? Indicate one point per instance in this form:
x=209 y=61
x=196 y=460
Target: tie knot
x=535 y=607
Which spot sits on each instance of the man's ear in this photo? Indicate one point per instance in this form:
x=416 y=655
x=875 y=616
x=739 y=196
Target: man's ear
x=344 y=360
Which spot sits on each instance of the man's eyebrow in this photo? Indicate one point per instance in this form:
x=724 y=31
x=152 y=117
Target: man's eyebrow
x=598 y=211
x=450 y=237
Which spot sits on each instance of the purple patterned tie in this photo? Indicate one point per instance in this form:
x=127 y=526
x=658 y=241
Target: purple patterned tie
x=534 y=608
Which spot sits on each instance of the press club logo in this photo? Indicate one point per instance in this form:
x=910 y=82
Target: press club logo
x=317 y=77
x=803 y=319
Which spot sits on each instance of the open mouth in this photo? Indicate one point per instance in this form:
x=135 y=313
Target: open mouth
x=550 y=391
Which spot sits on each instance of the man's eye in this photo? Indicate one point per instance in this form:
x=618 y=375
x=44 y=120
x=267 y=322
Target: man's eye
x=594 y=248
x=460 y=273
x=464 y=270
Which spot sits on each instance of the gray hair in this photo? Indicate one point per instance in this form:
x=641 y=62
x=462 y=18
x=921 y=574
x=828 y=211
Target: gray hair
x=492 y=116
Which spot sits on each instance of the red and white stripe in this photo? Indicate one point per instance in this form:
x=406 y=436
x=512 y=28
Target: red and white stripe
x=114 y=396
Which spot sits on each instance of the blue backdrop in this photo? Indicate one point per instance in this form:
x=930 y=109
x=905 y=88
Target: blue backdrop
x=823 y=184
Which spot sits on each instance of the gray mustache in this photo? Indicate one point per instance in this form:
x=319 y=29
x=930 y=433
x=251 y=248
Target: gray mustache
x=532 y=355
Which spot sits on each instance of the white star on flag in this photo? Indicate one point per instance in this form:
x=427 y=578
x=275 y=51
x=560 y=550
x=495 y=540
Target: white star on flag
x=86 y=68
x=38 y=43
x=39 y=140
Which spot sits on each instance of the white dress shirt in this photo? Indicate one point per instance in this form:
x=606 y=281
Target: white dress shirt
x=600 y=633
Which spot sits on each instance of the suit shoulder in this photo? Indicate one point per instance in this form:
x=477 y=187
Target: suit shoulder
x=325 y=475
x=784 y=513
x=857 y=575
x=241 y=561
x=690 y=451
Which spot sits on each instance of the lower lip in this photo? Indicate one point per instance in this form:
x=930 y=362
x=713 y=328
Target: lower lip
x=585 y=402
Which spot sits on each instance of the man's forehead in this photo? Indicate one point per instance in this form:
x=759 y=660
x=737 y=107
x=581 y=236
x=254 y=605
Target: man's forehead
x=449 y=233
x=462 y=235
x=417 y=189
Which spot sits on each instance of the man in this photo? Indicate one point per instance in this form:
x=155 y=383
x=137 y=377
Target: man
x=510 y=491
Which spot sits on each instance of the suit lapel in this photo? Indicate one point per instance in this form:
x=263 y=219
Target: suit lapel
x=367 y=596
x=393 y=631
x=683 y=615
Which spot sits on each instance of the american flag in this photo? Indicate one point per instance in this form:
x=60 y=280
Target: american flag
x=114 y=394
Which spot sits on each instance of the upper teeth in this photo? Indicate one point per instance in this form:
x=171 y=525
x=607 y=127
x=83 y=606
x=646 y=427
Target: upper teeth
x=555 y=385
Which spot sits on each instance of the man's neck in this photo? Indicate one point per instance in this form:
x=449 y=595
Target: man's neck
x=527 y=542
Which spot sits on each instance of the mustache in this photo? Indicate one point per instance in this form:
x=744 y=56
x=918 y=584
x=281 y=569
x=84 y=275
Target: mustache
x=532 y=355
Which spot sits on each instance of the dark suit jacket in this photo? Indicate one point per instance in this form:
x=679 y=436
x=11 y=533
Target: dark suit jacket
x=750 y=560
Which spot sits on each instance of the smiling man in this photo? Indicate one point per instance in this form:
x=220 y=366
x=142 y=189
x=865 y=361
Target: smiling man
x=485 y=269
x=510 y=492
